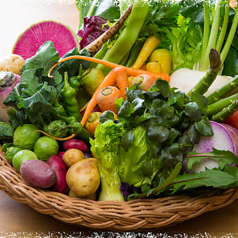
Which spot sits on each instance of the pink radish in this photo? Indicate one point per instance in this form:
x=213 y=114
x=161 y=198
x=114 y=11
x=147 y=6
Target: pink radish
x=225 y=138
x=75 y=144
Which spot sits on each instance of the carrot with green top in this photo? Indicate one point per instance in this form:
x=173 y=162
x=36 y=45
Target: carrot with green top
x=130 y=71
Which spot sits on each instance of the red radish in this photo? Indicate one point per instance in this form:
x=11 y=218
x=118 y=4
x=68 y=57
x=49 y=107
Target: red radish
x=58 y=165
x=60 y=154
x=225 y=138
x=144 y=81
x=75 y=144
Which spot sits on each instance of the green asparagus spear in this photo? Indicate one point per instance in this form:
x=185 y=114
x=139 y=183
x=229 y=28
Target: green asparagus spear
x=216 y=107
x=226 y=112
x=211 y=74
x=228 y=89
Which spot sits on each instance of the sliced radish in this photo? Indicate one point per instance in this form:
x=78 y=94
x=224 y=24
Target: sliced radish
x=225 y=138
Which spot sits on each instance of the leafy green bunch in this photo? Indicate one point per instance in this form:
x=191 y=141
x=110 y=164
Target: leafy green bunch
x=174 y=121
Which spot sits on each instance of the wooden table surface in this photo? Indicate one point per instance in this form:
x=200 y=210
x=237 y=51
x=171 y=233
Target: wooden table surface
x=17 y=219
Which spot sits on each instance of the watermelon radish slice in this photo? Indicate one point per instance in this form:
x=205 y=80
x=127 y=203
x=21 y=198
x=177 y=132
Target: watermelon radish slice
x=63 y=37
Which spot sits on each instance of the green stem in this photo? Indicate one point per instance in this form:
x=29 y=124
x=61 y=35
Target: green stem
x=110 y=187
x=230 y=37
x=224 y=91
x=224 y=27
x=216 y=107
x=213 y=37
x=206 y=30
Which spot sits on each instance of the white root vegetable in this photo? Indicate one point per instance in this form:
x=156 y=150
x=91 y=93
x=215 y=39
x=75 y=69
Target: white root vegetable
x=185 y=79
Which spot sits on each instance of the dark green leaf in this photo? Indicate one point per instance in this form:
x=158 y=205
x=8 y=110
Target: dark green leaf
x=6 y=131
x=45 y=58
x=208 y=178
x=193 y=111
x=204 y=127
x=158 y=133
x=221 y=156
x=72 y=66
x=164 y=88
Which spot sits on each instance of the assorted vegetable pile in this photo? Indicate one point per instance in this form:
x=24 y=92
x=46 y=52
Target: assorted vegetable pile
x=145 y=109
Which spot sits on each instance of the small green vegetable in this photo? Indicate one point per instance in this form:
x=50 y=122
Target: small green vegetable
x=69 y=99
x=57 y=128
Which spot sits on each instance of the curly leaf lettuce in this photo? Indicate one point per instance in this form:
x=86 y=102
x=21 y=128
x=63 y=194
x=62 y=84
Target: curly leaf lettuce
x=105 y=148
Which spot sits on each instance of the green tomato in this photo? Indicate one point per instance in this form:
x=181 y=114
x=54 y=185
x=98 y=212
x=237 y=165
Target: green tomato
x=25 y=136
x=45 y=147
x=22 y=156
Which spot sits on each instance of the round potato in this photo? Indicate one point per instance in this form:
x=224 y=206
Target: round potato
x=83 y=177
x=12 y=63
x=72 y=156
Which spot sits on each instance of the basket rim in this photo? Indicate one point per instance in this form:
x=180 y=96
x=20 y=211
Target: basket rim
x=134 y=215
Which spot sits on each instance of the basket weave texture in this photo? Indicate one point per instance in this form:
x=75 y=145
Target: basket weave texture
x=136 y=215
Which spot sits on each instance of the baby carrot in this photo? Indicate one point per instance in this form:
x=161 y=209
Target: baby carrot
x=121 y=79
x=108 y=81
x=130 y=71
x=106 y=98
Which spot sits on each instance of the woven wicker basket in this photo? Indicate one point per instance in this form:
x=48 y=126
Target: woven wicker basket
x=137 y=215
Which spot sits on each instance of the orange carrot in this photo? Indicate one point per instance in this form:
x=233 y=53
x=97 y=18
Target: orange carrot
x=106 y=98
x=130 y=71
x=121 y=79
x=108 y=81
x=155 y=76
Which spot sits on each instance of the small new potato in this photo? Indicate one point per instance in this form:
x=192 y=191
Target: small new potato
x=12 y=63
x=83 y=177
x=72 y=156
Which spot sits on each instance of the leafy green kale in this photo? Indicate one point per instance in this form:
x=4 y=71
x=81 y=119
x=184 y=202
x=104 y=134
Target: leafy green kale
x=36 y=93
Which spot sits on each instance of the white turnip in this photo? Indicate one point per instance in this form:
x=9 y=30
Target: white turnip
x=185 y=79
